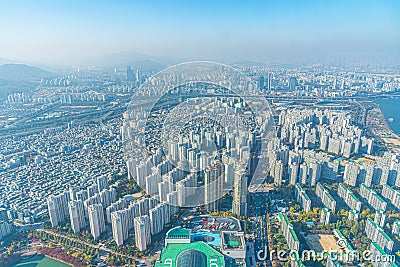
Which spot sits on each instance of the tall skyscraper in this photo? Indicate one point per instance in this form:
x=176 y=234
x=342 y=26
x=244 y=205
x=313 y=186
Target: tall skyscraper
x=90 y=201
x=3 y=215
x=269 y=81
x=239 y=204
x=72 y=192
x=119 y=233
x=213 y=186
x=129 y=74
x=82 y=195
x=293 y=171
x=77 y=215
x=92 y=190
x=138 y=77
x=142 y=232
x=6 y=228
x=315 y=172
x=58 y=208
x=108 y=196
x=96 y=220
x=277 y=171
x=158 y=217
x=292 y=83
x=261 y=83
x=102 y=183
x=351 y=174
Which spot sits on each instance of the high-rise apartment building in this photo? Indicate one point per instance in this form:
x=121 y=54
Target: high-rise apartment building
x=142 y=232
x=96 y=220
x=58 y=208
x=239 y=204
x=77 y=215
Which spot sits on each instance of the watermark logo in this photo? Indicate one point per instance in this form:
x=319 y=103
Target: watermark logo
x=341 y=243
x=332 y=254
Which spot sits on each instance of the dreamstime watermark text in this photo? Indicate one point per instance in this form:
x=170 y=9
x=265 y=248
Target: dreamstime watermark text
x=333 y=254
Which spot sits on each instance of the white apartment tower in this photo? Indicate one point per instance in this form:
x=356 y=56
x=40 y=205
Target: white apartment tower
x=96 y=220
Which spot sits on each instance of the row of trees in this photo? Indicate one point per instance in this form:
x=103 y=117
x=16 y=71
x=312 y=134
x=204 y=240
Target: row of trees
x=128 y=248
x=73 y=248
x=65 y=229
x=88 y=254
x=116 y=260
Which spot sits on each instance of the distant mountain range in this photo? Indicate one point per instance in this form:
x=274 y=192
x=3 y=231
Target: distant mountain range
x=22 y=72
x=16 y=71
x=10 y=61
x=132 y=57
x=143 y=65
x=248 y=63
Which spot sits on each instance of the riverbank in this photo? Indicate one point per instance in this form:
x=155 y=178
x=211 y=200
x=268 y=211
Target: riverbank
x=379 y=127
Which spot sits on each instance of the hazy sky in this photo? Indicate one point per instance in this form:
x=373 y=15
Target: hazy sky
x=70 y=32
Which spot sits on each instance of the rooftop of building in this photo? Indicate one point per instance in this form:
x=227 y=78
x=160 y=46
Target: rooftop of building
x=354 y=197
x=389 y=187
x=378 y=197
x=173 y=252
x=293 y=233
x=232 y=240
x=207 y=236
x=366 y=187
x=214 y=223
x=385 y=235
x=379 y=248
x=178 y=233
x=342 y=185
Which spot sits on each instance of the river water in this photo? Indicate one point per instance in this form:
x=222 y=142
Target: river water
x=40 y=261
x=391 y=110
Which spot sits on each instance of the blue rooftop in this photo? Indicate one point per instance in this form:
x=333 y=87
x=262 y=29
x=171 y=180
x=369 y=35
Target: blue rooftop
x=212 y=239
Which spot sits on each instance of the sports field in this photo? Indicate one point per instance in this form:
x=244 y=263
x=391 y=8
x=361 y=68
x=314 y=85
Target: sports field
x=322 y=242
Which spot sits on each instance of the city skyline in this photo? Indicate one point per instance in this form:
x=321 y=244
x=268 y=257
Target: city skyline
x=83 y=33
x=218 y=160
